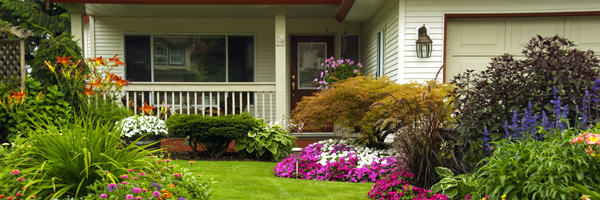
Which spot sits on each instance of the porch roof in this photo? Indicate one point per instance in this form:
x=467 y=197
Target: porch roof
x=349 y=10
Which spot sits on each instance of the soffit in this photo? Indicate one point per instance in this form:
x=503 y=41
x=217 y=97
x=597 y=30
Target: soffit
x=208 y=11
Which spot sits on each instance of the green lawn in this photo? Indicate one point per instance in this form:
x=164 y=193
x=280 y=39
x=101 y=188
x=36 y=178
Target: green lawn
x=255 y=180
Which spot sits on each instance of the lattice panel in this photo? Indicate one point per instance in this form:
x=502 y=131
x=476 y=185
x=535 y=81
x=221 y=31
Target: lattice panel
x=10 y=62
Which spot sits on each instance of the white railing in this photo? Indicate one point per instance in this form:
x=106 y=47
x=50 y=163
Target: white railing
x=257 y=98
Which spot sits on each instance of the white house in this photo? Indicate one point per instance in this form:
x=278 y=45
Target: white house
x=263 y=54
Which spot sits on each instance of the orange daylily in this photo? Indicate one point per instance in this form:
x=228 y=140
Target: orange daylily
x=88 y=91
x=98 y=60
x=117 y=61
x=17 y=96
x=64 y=60
x=147 y=108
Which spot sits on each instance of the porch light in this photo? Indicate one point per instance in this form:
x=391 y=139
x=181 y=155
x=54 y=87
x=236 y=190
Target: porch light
x=296 y=152
x=424 y=43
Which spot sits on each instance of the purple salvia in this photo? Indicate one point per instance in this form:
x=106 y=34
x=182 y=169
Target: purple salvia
x=546 y=125
x=564 y=116
x=507 y=131
x=585 y=110
x=486 y=139
x=515 y=124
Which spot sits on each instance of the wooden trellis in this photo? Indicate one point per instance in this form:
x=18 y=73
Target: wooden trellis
x=10 y=61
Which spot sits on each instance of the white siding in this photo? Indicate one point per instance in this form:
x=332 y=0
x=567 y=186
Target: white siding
x=431 y=12
x=386 y=21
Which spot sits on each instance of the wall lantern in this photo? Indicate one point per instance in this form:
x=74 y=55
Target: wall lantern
x=424 y=43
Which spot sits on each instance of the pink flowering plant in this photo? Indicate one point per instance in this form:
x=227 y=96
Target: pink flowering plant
x=337 y=70
x=395 y=186
x=340 y=160
x=162 y=180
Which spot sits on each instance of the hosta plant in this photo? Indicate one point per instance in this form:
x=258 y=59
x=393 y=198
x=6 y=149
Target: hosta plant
x=451 y=185
x=266 y=141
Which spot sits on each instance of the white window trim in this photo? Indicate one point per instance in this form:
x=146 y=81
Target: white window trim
x=380 y=54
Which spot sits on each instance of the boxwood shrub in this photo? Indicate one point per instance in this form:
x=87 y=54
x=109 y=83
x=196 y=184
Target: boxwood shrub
x=212 y=133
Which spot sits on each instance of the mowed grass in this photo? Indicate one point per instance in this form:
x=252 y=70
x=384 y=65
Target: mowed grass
x=255 y=180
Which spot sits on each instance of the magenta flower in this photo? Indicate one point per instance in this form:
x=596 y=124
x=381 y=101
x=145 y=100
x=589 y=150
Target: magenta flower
x=125 y=176
x=103 y=196
x=129 y=197
x=15 y=172
x=177 y=175
x=130 y=170
x=141 y=174
x=124 y=182
x=138 y=197
x=136 y=190
x=156 y=194
x=134 y=178
x=21 y=179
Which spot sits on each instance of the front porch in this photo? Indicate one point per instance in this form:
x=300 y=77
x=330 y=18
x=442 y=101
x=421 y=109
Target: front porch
x=257 y=98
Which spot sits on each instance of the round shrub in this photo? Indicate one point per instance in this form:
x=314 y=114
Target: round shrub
x=266 y=141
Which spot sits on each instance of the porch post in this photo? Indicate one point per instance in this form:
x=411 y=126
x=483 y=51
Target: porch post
x=77 y=11
x=282 y=89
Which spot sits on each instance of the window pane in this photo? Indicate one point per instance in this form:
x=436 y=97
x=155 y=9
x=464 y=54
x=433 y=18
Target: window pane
x=310 y=58
x=241 y=58
x=137 y=58
x=350 y=47
x=189 y=58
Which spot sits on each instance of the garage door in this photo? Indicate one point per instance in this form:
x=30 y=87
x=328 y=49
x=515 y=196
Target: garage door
x=471 y=42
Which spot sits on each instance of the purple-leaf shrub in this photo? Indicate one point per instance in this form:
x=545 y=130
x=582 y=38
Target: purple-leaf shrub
x=339 y=160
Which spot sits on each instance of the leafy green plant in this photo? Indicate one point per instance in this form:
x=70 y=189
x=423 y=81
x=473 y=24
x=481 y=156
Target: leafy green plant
x=489 y=98
x=60 y=160
x=531 y=169
x=19 y=106
x=266 y=141
x=455 y=185
x=212 y=133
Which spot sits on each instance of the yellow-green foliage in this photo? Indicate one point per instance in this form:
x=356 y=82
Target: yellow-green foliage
x=412 y=97
x=349 y=104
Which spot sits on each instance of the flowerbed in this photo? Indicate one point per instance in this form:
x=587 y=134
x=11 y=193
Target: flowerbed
x=340 y=160
x=396 y=187
x=161 y=181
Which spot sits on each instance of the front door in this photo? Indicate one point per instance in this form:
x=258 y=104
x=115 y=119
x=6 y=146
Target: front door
x=308 y=53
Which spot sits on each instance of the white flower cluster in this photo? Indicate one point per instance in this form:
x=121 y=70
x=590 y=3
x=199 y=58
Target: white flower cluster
x=365 y=155
x=139 y=125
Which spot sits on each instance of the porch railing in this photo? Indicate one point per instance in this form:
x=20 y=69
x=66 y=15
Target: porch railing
x=257 y=98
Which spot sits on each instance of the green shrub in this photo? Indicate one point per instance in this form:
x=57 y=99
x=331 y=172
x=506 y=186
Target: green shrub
x=266 y=141
x=48 y=50
x=60 y=160
x=106 y=113
x=489 y=98
x=531 y=169
x=47 y=102
x=212 y=133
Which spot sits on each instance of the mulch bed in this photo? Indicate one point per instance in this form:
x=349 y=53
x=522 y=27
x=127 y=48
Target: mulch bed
x=201 y=155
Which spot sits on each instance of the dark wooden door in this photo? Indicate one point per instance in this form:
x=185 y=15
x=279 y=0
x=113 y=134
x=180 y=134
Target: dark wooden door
x=308 y=52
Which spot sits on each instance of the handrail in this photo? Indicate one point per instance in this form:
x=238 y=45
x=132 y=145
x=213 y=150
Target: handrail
x=195 y=86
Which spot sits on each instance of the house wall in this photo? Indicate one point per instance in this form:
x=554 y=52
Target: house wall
x=431 y=12
x=387 y=21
